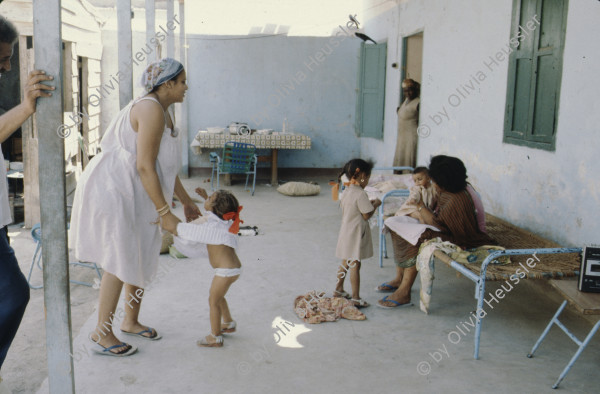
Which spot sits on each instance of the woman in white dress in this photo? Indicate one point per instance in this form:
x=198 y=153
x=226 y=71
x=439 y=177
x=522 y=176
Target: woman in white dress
x=123 y=196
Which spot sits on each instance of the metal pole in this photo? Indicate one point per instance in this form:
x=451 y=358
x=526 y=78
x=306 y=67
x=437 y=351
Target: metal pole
x=150 y=26
x=125 y=60
x=170 y=37
x=48 y=57
x=183 y=119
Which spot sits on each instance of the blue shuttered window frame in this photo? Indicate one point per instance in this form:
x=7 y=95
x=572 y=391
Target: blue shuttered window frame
x=371 y=91
x=534 y=73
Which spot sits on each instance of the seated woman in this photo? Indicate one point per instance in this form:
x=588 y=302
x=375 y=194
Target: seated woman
x=456 y=217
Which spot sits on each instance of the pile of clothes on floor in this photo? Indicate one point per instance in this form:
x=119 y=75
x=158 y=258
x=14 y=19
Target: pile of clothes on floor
x=314 y=308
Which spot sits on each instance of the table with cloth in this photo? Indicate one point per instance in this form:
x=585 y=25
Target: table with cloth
x=273 y=142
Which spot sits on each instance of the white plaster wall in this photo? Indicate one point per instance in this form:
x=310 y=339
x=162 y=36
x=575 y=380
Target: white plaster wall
x=261 y=80
x=555 y=194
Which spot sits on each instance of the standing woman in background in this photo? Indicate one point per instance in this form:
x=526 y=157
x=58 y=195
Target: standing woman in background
x=408 y=121
x=123 y=200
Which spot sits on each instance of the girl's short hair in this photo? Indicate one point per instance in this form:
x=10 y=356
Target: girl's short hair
x=225 y=202
x=355 y=166
x=448 y=172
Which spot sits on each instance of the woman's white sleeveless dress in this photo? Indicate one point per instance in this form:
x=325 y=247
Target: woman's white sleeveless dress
x=111 y=220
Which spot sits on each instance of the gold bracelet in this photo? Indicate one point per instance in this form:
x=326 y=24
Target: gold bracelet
x=163 y=211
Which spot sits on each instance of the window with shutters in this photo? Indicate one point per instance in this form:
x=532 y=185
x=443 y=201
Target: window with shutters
x=371 y=90
x=534 y=72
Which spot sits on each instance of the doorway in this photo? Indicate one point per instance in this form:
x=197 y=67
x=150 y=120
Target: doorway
x=412 y=59
x=407 y=112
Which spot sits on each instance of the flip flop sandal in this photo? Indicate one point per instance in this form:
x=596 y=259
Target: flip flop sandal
x=106 y=351
x=230 y=327
x=385 y=288
x=140 y=334
x=342 y=294
x=360 y=303
x=204 y=343
x=396 y=303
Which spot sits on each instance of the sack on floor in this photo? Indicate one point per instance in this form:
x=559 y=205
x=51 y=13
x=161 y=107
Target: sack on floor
x=299 y=189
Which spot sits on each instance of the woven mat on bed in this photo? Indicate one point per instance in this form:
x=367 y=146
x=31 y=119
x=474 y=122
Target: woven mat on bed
x=511 y=237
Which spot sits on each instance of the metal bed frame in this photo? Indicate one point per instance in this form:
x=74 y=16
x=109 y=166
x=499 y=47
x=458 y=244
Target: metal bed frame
x=393 y=193
x=480 y=279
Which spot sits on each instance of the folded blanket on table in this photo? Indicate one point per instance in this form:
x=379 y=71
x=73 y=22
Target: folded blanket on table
x=425 y=264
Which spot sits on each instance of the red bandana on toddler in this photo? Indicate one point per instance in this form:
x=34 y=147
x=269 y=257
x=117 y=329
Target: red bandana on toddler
x=235 y=216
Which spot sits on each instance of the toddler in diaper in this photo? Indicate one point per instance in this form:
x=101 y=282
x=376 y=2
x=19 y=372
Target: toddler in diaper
x=215 y=234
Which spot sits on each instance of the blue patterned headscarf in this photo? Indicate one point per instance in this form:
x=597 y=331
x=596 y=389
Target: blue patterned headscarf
x=160 y=72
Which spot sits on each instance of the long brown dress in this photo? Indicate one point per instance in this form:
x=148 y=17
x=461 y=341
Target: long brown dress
x=456 y=218
x=406 y=145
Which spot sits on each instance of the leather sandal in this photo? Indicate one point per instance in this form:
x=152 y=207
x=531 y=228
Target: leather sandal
x=230 y=327
x=341 y=294
x=204 y=343
x=360 y=303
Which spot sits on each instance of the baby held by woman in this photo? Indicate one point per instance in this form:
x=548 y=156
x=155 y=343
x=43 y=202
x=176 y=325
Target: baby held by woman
x=422 y=191
x=215 y=234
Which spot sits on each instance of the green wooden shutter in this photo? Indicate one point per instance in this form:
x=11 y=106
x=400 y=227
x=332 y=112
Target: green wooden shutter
x=535 y=70
x=520 y=72
x=548 y=56
x=371 y=90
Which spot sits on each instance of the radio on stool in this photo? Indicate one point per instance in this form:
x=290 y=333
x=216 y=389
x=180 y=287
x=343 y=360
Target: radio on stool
x=589 y=277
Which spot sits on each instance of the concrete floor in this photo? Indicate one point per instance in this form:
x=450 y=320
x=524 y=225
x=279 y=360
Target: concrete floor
x=294 y=254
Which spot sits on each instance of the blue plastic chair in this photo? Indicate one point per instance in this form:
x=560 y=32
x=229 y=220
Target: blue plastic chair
x=237 y=158
x=36 y=234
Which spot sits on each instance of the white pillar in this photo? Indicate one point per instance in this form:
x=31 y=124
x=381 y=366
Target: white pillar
x=48 y=57
x=170 y=36
x=124 y=58
x=183 y=118
x=150 y=27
